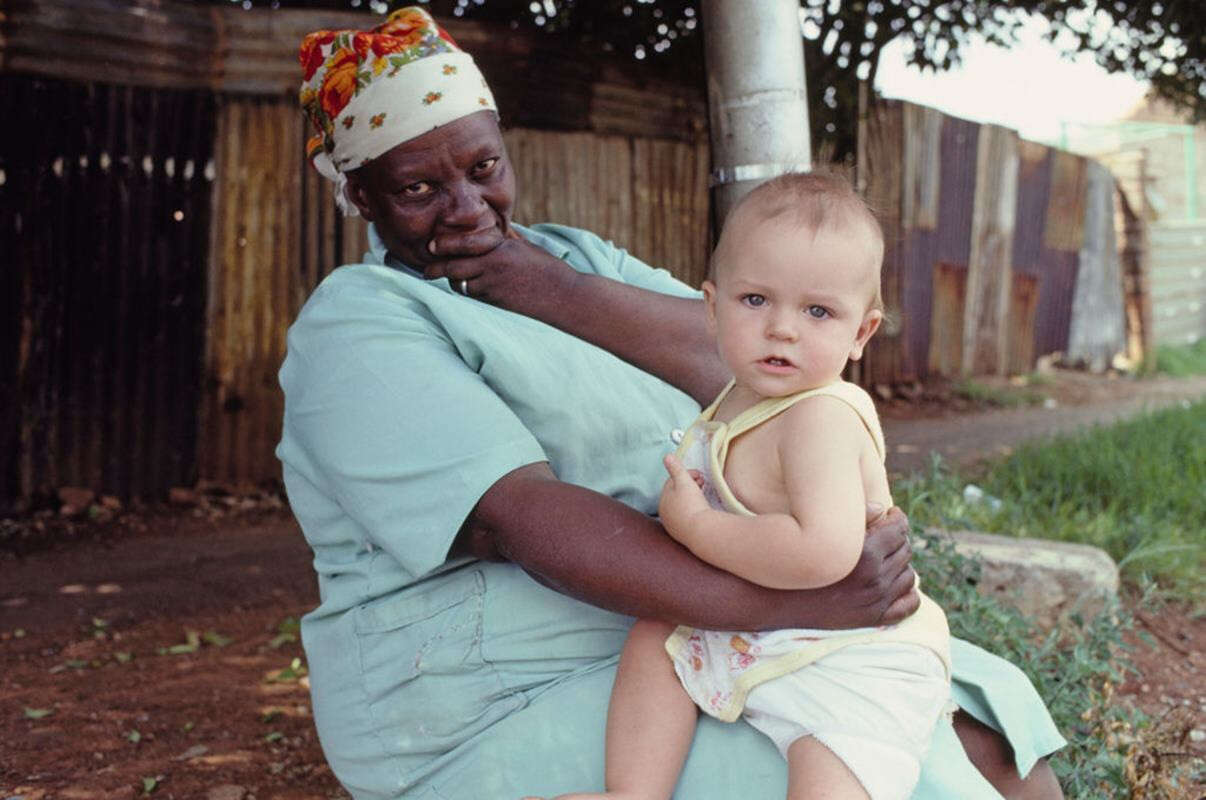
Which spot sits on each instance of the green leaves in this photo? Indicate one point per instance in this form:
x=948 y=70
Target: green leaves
x=38 y=713
x=216 y=639
x=1073 y=667
x=1133 y=489
x=193 y=641
x=286 y=633
x=295 y=671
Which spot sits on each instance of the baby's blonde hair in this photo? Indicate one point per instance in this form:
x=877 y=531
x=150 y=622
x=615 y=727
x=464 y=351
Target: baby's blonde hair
x=813 y=201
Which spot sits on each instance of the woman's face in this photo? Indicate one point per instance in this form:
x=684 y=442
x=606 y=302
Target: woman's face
x=453 y=185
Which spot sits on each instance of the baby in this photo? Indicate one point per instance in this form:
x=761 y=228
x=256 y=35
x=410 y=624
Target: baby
x=771 y=483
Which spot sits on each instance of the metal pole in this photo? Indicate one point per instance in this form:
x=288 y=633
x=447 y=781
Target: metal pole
x=1191 y=175
x=757 y=103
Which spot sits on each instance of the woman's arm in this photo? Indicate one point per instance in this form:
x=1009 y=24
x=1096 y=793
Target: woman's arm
x=664 y=335
x=598 y=550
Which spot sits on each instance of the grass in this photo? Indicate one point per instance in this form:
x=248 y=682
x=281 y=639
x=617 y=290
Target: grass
x=1074 y=668
x=1134 y=489
x=1181 y=361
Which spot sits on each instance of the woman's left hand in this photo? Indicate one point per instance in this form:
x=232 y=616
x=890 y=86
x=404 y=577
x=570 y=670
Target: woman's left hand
x=514 y=274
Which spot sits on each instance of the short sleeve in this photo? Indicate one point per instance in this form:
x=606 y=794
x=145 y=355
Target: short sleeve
x=393 y=425
x=586 y=252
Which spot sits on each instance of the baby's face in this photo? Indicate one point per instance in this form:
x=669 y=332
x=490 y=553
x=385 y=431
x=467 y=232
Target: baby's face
x=790 y=307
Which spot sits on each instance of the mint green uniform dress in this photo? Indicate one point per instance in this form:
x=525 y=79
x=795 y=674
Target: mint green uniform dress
x=449 y=679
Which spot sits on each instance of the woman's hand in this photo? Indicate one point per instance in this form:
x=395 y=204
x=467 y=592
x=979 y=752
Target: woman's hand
x=664 y=335
x=880 y=590
x=511 y=274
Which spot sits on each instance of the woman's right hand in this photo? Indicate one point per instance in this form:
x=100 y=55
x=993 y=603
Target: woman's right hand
x=512 y=274
x=880 y=590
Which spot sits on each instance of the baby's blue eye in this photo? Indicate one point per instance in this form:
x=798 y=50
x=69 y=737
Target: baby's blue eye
x=754 y=300
x=818 y=312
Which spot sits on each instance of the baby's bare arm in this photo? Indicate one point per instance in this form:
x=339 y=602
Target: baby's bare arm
x=819 y=539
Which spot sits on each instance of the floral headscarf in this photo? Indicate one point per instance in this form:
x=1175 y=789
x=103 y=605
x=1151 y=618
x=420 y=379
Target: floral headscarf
x=367 y=91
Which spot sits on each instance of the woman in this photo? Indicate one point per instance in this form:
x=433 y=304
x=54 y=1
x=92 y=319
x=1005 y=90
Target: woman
x=474 y=424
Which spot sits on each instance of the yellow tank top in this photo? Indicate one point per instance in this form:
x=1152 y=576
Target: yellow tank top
x=729 y=664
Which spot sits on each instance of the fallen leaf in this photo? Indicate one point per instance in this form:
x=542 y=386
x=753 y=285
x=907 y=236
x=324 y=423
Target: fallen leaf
x=216 y=639
x=37 y=713
x=193 y=752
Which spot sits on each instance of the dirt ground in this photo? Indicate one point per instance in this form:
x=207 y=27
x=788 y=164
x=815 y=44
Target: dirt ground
x=153 y=653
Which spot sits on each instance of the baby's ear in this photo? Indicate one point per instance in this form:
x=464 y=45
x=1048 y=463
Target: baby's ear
x=709 y=292
x=866 y=330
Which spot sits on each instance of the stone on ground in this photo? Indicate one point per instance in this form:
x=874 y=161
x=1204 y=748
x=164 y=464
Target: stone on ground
x=1043 y=579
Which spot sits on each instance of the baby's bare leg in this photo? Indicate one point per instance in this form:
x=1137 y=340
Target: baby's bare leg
x=650 y=723
x=814 y=772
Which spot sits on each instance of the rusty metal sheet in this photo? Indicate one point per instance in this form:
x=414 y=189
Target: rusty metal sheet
x=1097 y=330
x=1023 y=306
x=106 y=216
x=879 y=178
x=922 y=165
x=990 y=263
x=946 y=319
x=1066 y=203
x=650 y=196
x=949 y=244
x=275 y=236
x=538 y=80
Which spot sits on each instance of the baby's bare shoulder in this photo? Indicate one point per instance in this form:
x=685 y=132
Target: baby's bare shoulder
x=821 y=415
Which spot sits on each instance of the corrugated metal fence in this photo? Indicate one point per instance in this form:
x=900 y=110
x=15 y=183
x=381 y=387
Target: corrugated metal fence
x=986 y=241
x=141 y=342
x=104 y=216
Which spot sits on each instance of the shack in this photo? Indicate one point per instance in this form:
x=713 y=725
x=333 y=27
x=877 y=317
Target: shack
x=161 y=227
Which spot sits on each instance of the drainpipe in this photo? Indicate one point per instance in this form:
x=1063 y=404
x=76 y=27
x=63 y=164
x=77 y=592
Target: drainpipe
x=757 y=103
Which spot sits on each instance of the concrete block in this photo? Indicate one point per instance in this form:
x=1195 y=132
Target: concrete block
x=1041 y=578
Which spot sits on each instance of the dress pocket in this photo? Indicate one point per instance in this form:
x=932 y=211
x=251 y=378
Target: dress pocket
x=427 y=686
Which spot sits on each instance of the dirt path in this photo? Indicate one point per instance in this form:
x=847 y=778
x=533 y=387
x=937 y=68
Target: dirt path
x=1079 y=400
x=104 y=692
